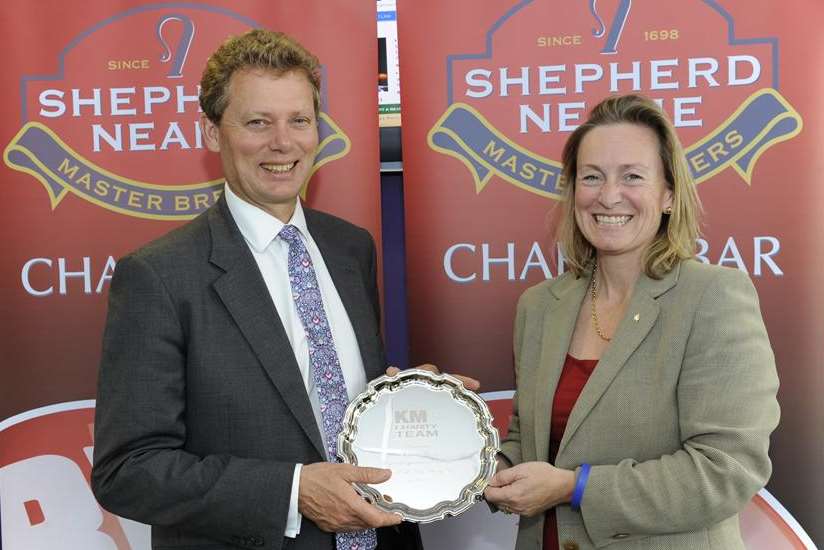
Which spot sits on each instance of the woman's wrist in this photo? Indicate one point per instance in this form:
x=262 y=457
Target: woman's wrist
x=580 y=486
x=569 y=485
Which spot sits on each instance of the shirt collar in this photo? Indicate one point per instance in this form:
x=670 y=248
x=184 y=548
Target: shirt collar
x=258 y=227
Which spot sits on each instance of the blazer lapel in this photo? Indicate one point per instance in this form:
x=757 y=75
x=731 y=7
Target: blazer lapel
x=559 y=323
x=244 y=293
x=350 y=286
x=638 y=320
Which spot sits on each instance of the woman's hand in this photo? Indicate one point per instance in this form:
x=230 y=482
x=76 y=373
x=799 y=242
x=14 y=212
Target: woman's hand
x=530 y=488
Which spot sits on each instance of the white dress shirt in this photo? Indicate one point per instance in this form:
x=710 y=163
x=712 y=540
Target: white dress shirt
x=260 y=229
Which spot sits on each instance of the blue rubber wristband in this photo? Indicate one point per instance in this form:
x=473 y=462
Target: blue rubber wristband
x=580 y=485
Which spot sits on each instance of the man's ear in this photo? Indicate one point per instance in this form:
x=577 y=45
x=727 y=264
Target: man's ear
x=211 y=133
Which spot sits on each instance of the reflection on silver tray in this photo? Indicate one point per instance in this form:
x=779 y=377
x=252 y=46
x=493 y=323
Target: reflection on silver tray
x=435 y=436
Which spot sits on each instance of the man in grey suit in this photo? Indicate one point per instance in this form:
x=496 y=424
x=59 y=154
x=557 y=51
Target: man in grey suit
x=208 y=410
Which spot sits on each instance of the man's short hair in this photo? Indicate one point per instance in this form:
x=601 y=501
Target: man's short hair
x=256 y=49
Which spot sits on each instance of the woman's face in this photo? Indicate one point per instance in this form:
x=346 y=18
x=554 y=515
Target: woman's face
x=620 y=190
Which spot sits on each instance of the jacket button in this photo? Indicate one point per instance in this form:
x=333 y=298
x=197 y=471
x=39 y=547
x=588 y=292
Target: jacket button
x=619 y=536
x=570 y=545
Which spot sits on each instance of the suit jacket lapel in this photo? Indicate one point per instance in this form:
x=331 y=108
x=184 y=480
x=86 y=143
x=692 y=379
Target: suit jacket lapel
x=348 y=281
x=559 y=323
x=244 y=293
x=638 y=320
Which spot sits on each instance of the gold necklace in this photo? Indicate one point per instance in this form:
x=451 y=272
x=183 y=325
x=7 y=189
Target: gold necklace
x=593 y=289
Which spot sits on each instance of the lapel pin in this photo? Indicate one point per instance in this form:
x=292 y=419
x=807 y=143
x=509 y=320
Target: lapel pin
x=637 y=317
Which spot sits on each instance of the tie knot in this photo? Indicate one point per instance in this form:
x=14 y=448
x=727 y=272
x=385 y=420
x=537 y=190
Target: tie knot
x=290 y=234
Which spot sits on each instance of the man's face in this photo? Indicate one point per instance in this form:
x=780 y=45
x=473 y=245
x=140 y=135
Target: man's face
x=266 y=138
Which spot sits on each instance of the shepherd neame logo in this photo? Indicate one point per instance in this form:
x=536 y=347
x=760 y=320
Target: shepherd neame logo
x=512 y=105
x=118 y=124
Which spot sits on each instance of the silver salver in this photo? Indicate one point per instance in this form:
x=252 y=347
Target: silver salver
x=436 y=437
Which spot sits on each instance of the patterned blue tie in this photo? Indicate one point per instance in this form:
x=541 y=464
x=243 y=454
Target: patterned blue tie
x=326 y=371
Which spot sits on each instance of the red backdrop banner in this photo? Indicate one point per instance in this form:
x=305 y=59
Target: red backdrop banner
x=496 y=87
x=102 y=153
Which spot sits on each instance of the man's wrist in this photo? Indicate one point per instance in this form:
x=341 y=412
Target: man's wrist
x=294 y=517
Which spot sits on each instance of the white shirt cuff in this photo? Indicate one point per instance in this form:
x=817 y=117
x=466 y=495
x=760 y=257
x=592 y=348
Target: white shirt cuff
x=294 y=518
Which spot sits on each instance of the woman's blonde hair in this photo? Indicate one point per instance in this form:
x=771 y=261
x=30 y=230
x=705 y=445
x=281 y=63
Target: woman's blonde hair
x=677 y=234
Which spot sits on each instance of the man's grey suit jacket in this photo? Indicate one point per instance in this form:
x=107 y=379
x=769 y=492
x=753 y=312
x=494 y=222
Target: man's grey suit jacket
x=202 y=412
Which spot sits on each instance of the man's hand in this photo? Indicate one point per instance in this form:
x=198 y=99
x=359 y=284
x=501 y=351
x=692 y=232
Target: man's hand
x=326 y=496
x=469 y=383
x=530 y=488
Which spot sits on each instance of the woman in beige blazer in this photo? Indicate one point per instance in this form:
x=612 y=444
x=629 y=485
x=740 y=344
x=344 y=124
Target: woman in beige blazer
x=667 y=440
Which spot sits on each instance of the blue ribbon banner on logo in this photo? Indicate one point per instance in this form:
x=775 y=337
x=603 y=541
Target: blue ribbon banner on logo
x=762 y=120
x=39 y=152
